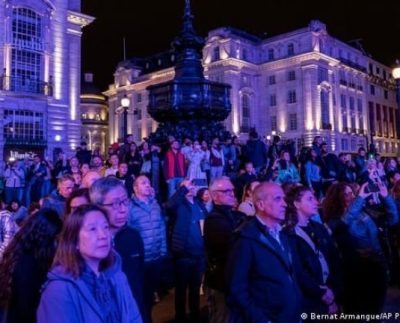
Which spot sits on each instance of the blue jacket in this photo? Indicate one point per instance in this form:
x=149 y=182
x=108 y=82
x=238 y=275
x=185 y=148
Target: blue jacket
x=363 y=228
x=147 y=219
x=261 y=280
x=66 y=299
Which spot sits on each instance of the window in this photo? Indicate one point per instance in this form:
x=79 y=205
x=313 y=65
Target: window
x=273 y=123
x=384 y=74
x=291 y=96
x=290 y=49
x=343 y=101
x=291 y=75
x=139 y=97
x=322 y=74
x=271 y=54
x=24 y=125
x=352 y=114
x=360 y=114
x=244 y=54
x=385 y=94
x=139 y=114
x=26 y=52
x=216 y=56
x=345 y=144
x=344 y=118
x=245 y=113
x=372 y=89
x=272 y=100
x=353 y=144
x=325 y=110
x=272 y=79
x=292 y=121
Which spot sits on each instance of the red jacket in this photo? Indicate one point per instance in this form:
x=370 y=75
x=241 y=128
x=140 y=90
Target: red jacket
x=170 y=170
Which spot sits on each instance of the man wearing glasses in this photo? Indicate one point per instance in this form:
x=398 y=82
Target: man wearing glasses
x=219 y=228
x=110 y=193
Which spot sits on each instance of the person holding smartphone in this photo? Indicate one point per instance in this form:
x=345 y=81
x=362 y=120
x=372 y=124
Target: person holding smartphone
x=359 y=231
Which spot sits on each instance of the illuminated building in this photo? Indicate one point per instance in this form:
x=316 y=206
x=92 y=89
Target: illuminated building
x=40 y=76
x=94 y=116
x=299 y=85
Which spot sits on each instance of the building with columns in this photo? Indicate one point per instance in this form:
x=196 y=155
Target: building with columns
x=299 y=85
x=40 y=66
x=94 y=116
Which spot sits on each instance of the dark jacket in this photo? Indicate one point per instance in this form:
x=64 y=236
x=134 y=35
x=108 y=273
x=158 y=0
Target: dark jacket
x=219 y=228
x=66 y=299
x=129 y=245
x=255 y=151
x=55 y=202
x=308 y=268
x=261 y=281
x=182 y=226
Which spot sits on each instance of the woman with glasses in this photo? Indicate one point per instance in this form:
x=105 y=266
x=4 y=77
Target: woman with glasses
x=86 y=283
x=110 y=193
x=317 y=264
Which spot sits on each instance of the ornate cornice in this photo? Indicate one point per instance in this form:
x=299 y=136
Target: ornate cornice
x=80 y=19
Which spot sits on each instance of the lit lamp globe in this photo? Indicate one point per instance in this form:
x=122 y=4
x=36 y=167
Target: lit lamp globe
x=125 y=101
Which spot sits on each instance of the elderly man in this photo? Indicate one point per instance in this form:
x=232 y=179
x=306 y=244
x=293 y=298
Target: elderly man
x=56 y=200
x=219 y=227
x=261 y=282
x=145 y=216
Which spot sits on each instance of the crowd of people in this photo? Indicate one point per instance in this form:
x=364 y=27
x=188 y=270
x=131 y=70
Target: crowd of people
x=265 y=233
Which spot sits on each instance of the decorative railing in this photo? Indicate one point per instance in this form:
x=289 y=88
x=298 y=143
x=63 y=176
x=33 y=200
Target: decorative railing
x=24 y=84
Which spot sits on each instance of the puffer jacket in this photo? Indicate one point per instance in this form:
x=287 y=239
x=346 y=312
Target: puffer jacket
x=66 y=299
x=147 y=219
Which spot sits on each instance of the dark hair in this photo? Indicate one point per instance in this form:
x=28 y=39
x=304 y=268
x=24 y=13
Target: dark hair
x=201 y=192
x=333 y=205
x=293 y=195
x=67 y=255
x=81 y=192
x=37 y=238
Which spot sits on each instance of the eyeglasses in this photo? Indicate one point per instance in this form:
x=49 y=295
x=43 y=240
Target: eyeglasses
x=117 y=204
x=229 y=191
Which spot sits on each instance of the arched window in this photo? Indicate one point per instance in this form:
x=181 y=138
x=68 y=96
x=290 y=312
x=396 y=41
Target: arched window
x=27 y=51
x=245 y=124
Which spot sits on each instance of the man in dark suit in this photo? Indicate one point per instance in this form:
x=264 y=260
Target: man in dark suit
x=259 y=271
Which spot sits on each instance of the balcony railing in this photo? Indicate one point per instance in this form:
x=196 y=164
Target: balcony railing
x=30 y=141
x=24 y=84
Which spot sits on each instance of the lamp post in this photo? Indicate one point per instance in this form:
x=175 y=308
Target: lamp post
x=396 y=76
x=125 y=102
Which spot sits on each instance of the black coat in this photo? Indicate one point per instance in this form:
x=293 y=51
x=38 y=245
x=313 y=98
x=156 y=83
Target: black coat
x=261 y=282
x=219 y=228
x=181 y=229
x=129 y=245
x=308 y=268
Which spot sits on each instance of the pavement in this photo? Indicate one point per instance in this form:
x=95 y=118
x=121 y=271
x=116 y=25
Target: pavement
x=163 y=312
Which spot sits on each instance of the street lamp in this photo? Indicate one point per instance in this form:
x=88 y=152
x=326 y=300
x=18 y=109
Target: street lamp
x=396 y=76
x=125 y=102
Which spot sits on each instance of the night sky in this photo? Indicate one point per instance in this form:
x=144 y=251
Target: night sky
x=150 y=26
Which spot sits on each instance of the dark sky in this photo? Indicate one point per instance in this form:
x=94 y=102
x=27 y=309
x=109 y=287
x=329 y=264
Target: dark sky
x=149 y=26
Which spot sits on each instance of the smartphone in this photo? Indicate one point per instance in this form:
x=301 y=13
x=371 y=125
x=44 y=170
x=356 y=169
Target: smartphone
x=372 y=188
